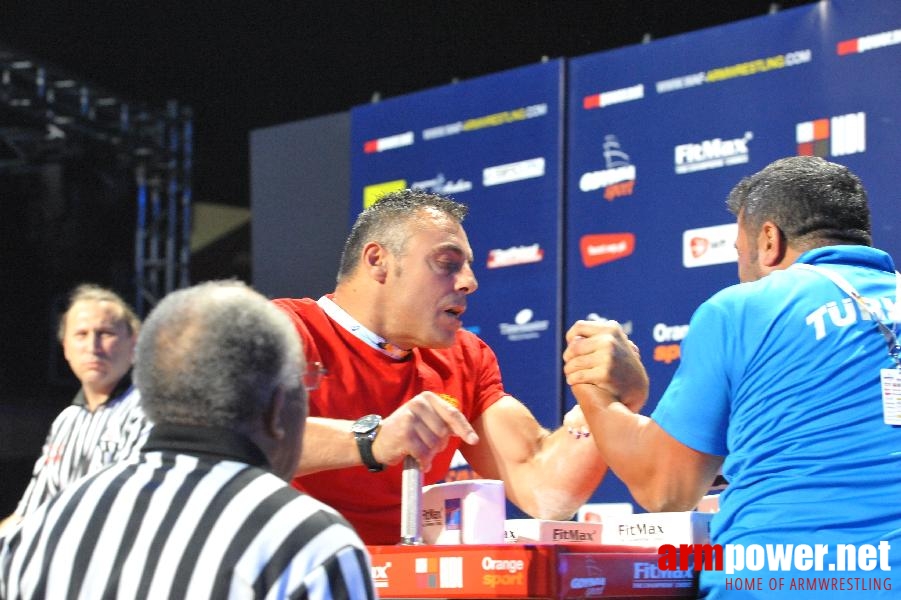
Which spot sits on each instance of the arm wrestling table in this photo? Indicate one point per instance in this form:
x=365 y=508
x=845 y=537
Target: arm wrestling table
x=546 y=571
x=552 y=571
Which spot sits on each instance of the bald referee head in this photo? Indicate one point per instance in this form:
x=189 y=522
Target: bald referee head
x=219 y=355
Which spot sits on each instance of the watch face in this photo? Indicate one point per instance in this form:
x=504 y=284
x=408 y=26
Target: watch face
x=366 y=424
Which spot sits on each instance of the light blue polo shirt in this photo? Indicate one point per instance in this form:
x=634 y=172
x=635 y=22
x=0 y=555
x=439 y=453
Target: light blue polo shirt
x=782 y=377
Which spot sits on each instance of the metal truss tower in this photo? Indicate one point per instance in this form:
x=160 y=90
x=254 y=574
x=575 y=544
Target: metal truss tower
x=58 y=109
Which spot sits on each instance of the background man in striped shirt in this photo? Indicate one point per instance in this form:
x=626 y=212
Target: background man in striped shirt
x=206 y=511
x=104 y=423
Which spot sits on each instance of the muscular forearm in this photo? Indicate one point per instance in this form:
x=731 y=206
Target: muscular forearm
x=327 y=444
x=547 y=475
x=561 y=476
x=419 y=428
x=617 y=434
x=661 y=474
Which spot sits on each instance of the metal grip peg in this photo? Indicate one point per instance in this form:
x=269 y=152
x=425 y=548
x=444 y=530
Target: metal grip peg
x=411 y=503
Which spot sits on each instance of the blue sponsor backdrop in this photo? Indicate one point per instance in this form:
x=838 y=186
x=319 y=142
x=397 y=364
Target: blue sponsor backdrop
x=659 y=133
x=494 y=143
x=656 y=136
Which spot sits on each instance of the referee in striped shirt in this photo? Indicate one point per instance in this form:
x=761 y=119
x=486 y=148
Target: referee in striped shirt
x=206 y=511
x=105 y=422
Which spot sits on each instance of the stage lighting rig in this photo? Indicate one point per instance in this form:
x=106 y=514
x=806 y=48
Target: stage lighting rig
x=46 y=113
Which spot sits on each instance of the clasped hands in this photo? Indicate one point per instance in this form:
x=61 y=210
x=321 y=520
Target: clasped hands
x=599 y=354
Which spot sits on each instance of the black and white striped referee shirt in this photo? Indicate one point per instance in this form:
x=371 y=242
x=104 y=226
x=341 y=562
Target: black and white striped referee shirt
x=197 y=516
x=82 y=442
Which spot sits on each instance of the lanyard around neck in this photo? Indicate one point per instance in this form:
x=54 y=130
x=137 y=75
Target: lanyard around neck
x=374 y=340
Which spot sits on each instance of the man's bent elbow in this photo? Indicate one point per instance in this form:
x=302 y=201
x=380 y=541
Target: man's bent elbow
x=553 y=506
x=555 y=514
x=664 y=502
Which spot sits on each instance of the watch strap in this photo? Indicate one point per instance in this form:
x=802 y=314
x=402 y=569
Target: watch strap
x=364 y=445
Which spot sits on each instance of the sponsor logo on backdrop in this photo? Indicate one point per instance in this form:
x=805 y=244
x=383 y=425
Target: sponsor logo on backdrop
x=442 y=572
x=371 y=193
x=493 y=120
x=431 y=517
x=390 y=142
x=709 y=245
x=618 y=176
x=628 y=327
x=650 y=576
x=515 y=255
x=712 y=154
x=503 y=572
x=742 y=69
x=441 y=185
x=515 y=171
x=594 y=586
x=380 y=575
x=668 y=338
x=524 y=327
x=590 y=580
x=604 y=99
x=835 y=136
x=869 y=42
x=600 y=248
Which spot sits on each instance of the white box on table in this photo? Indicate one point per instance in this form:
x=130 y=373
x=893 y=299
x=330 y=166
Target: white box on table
x=544 y=531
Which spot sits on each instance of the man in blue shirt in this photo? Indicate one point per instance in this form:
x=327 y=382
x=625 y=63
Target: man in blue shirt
x=779 y=387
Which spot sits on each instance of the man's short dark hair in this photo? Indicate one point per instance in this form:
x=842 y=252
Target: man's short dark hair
x=814 y=202
x=385 y=222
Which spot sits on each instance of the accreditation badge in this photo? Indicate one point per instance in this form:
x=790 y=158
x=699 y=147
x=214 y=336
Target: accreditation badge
x=891 y=396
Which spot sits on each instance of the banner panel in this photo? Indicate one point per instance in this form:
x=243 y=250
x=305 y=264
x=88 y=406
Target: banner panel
x=493 y=143
x=658 y=135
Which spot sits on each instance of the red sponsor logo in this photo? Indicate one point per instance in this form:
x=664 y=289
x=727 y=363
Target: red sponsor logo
x=667 y=353
x=699 y=246
x=846 y=47
x=817 y=144
x=517 y=255
x=612 y=192
x=600 y=248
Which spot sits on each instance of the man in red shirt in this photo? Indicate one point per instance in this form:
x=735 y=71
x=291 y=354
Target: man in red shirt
x=404 y=379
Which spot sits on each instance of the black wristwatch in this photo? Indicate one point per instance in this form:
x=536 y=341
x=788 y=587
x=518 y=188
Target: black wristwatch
x=365 y=429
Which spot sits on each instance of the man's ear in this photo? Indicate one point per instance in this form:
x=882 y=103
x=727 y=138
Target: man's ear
x=273 y=417
x=771 y=245
x=375 y=261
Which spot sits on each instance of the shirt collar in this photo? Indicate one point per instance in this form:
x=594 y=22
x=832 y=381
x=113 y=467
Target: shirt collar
x=372 y=339
x=119 y=391
x=854 y=255
x=217 y=442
